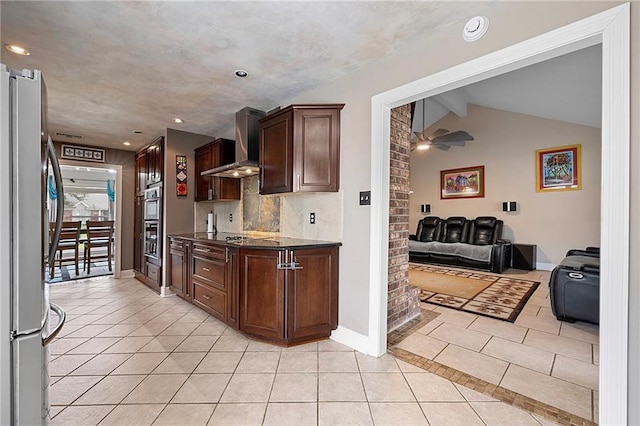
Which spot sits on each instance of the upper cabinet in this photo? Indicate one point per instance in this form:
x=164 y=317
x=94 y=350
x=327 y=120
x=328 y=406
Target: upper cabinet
x=155 y=161
x=214 y=154
x=300 y=149
x=141 y=171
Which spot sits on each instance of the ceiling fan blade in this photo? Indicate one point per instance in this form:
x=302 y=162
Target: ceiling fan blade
x=442 y=147
x=437 y=133
x=419 y=136
x=450 y=143
x=458 y=135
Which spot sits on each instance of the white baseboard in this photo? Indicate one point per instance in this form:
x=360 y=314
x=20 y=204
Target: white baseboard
x=355 y=340
x=545 y=266
x=127 y=273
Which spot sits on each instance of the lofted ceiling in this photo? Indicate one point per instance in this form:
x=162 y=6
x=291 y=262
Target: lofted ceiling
x=113 y=68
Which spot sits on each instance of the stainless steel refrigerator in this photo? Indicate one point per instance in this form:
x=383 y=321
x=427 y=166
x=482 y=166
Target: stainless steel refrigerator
x=25 y=248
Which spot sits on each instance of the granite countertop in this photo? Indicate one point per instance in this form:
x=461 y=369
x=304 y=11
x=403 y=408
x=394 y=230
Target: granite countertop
x=247 y=241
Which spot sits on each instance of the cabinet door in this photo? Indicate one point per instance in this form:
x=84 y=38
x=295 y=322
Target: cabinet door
x=276 y=155
x=261 y=294
x=138 y=249
x=141 y=172
x=203 y=162
x=312 y=293
x=232 y=280
x=226 y=189
x=316 y=149
x=176 y=273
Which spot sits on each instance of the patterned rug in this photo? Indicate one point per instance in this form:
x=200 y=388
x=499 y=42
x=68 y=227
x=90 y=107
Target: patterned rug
x=482 y=294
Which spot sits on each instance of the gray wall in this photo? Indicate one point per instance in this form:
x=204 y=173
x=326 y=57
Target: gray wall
x=126 y=159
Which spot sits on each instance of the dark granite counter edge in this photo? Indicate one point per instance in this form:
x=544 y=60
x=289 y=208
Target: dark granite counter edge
x=266 y=243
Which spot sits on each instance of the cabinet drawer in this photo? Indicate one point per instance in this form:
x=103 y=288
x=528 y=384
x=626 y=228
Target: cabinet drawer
x=211 y=300
x=211 y=251
x=209 y=271
x=176 y=245
x=153 y=273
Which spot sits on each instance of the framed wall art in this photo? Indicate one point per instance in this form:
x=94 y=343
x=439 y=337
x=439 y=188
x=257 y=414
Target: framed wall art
x=82 y=153
x=558 y=169
x=466 y=182
x=181 y=175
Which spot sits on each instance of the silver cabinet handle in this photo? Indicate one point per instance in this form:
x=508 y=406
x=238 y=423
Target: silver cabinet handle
x=206 y=297
x=62 y=316
x=204 y=268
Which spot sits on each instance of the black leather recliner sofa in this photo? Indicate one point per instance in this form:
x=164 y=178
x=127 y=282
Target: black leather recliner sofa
x=459 y=241
x=574 y=286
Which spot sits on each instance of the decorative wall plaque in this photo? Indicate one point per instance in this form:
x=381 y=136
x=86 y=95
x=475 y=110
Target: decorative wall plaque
x=82 y=153
x=181 y=175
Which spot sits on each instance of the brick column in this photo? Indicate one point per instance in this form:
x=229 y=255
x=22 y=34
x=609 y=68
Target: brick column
x=404 y=301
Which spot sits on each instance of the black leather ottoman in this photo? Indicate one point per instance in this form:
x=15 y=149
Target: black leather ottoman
x=574 y=287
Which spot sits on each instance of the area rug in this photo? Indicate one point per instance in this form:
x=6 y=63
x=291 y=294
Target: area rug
x=482 y=294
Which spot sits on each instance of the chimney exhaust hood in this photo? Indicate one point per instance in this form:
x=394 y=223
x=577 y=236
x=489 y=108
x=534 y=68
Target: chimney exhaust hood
x=247 y=146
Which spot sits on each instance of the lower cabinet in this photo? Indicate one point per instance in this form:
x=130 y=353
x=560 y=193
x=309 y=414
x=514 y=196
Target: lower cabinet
x=179 y=251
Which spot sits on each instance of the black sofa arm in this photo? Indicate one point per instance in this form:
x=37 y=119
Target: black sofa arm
x=501 y=241
x=412 y=237
x=588 y=253
x=500 y=256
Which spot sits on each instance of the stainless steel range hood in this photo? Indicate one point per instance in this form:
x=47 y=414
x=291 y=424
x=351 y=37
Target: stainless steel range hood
x=247 y=146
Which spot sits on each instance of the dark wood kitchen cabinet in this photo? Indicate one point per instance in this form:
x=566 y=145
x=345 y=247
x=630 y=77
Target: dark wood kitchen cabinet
x=179 y=273
x=209 y=188
x=155 y=161
x=300 y=149
x=208 y=284
x=141 y=172
x=138 y=236
x=289 y=296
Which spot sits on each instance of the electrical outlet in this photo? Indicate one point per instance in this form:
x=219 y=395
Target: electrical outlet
x=230 y=217
x=365 y=198
x=312 y=218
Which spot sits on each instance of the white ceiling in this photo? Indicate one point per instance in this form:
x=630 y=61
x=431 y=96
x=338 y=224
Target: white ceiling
x=115 y=67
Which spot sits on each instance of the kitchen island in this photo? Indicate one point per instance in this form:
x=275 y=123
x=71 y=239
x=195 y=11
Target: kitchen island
x=276 y=289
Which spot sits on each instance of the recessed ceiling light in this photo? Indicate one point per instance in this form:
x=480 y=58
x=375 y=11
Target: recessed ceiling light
x=236 y=174
x=13 y=48
x=126 y=143
x=137 y=132
x=178 y=120
x=248 y=171
x=241 y=73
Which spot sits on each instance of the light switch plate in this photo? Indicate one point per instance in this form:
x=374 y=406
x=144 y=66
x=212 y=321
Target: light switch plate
x=312 y=218
x=365 y=198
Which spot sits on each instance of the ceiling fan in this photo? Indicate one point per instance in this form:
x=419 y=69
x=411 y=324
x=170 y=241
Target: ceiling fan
x=442 y=138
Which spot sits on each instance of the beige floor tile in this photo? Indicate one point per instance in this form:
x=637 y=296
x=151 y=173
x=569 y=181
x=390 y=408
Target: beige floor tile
x=94 y=346
x=503 y=329
x=202 y=388
x=65 y=364
x=478 y=365
x=460 y=336
x=114 y=318
x=397 y=413
x=344 y=413
x=333 y=346
x=425 y=346
x=193 y=316
x=428 y=387
x=91 y=330
x=291 y=413
x=197 y=344
x=81 y=416
x=596 y=406
x=128 y=345
x=86 y=319
x=185 y=415
x=430 y=326
x=405 y=367
x=157 y=389
x=68 y=329
x=543 y=421
x=119 y=330
x=149 y=329
x=209 y=329
x=179 y=362
x=258 y=362
x=67 y=389
x=110 y=390
x=295 y=387
x=473 y=396
x=183 y=329
x=139 y=415
x=228 y=414
x=596 y=354
x=370 y=364
x=248 y=388
x=451 y=316
x=337 y=362
x=522 y=355
x=501 y=414
x=61 y=346
x=450 y=414
x=555 y=392
x=140 y=363
x=162 y=344
x=255 y=346
x=574 y=371
x=340 y=387
x=231 y=343
x=54 y=410
x=583 y=331
x=219 y=362
x=547 y=325
x=298 y=362
x=386 y=387
x=561 y=345
x=305 y=347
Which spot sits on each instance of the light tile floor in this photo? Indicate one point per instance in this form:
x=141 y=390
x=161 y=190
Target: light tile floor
x=129 y=357
x=538 y=356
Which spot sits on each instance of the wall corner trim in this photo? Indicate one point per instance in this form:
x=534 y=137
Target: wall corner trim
x=353 y=339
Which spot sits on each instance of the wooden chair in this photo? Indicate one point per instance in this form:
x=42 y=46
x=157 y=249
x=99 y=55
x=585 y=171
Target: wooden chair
x=69 y=241
x=99 y=235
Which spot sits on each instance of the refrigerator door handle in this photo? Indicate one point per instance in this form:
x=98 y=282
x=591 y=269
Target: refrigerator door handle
x=62 y=316
x=57 y=175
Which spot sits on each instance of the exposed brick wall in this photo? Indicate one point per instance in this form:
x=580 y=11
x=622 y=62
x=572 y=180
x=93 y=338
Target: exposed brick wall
x=403 y=302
